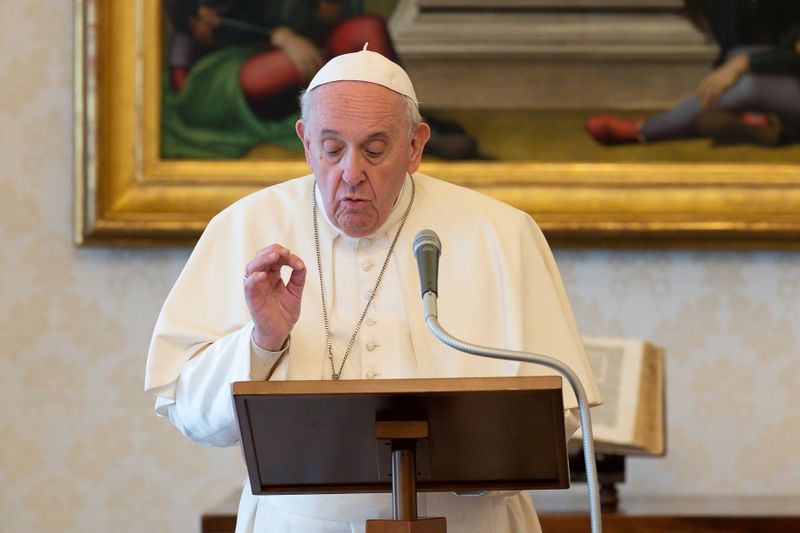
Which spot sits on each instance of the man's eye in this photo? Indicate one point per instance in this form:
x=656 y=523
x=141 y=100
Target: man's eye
x=374 y=150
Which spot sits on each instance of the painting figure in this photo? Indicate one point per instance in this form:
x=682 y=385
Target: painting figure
x=751 y=96
x=236 y=67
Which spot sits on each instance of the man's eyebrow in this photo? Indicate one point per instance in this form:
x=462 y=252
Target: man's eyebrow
x=378 y=135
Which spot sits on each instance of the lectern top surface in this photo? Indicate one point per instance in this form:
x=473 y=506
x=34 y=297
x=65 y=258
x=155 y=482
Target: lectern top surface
x=360 y=386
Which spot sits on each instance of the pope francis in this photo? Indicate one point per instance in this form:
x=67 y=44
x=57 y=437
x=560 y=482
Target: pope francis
x=314 y=279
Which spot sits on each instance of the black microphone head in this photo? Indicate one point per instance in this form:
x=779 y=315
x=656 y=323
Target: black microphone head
x=427 y=249
x=427 y=237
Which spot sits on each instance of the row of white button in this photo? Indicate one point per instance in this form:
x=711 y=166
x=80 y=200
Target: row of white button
x=372 y=345
x=366 y=266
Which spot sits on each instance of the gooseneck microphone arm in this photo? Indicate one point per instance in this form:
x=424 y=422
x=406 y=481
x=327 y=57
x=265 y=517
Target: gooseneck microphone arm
x=429 y=299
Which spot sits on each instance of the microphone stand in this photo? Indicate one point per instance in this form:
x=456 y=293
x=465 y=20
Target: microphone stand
x=431 y=318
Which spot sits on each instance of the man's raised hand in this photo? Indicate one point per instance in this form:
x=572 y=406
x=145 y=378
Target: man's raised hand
x=274 y=306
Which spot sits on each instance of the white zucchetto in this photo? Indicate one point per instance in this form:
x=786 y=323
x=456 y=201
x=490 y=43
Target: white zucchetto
x=365 y=65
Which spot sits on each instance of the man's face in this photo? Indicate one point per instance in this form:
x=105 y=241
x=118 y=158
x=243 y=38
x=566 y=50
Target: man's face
x=359 y=145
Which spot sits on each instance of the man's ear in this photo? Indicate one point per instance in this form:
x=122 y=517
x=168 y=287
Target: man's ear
x=300 y=128
x=421 y=135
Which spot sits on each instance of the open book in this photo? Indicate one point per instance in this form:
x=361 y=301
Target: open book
x=630 y=375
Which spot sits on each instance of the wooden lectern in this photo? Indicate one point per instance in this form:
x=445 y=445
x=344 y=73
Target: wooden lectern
x=403 y=435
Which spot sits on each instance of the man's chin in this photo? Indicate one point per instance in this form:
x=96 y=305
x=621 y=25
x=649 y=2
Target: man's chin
x=357 y=226
x=357 y=233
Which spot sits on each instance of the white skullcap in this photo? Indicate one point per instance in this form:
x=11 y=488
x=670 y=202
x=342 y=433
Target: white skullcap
x=368 y=66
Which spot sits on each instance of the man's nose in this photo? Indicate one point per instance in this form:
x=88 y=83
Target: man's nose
x=353 y=168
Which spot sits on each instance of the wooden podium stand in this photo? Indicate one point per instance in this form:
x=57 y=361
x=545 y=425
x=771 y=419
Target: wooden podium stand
x=403 y=435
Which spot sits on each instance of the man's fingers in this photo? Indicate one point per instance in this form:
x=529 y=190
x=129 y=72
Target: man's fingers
x=255 y=277
x=297 y=281
x=266 y=258
x=272 y=259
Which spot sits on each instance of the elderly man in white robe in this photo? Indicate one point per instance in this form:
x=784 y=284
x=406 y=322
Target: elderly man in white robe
x=330 y=291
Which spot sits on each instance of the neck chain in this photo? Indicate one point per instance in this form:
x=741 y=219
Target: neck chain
x=325 y=320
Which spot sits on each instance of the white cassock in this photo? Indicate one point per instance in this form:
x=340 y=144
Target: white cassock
x=498 y=286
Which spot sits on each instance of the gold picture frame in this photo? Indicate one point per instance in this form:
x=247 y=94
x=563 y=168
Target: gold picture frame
x=126 y=195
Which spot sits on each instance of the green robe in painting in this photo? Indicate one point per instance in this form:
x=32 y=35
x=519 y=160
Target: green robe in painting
x=210 y=117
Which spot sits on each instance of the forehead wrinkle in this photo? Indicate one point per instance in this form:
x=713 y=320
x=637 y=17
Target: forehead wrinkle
x=376 y=136
x=371 y=117
x=375 y=107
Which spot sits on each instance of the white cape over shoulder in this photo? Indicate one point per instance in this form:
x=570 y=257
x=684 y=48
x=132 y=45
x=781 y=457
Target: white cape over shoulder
x=498 y=286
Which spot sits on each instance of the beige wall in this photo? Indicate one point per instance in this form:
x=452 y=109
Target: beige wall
x=81 y=451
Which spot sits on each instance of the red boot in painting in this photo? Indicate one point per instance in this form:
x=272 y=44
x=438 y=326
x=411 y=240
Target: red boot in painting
x=611 y=129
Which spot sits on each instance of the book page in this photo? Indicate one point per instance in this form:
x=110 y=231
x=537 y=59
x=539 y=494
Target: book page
x=617 y=367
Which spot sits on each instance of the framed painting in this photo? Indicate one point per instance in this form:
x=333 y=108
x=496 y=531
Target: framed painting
x=136 y=183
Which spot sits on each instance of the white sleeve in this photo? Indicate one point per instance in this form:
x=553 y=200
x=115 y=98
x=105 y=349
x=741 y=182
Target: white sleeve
x=203 y=407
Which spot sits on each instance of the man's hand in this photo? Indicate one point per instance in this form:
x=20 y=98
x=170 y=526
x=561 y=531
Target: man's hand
x=301 y=51
x=274 y=306
x=721 y=79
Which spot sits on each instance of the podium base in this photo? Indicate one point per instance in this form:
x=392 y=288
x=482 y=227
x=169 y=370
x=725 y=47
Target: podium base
x=421 y=525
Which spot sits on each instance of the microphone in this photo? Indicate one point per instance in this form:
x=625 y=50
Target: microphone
x=427 y=249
